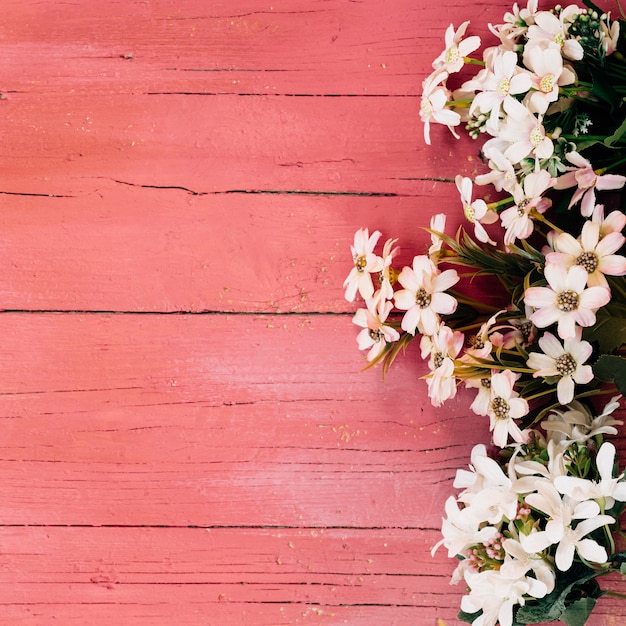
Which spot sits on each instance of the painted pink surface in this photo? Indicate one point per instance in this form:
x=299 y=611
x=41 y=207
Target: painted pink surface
x=188 y=437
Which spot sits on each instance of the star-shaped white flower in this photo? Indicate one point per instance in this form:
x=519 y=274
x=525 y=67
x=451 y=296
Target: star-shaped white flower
x=566 y=301
x=565 y=361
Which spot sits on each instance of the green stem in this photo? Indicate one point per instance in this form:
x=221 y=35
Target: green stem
x=499 y=203
x=539 y=217
x=473 y=303
x=470 y=61
x=612 y=165
x=615 y=594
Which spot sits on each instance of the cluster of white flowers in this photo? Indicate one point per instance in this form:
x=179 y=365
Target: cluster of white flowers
x=528 y=78
x=551 y=502
x=516 y=523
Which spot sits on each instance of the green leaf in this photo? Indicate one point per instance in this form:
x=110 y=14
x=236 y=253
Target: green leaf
x=616 y=136
x=611 y=368
x=610 y=328
x=468 y=618
x=602 y=89
x=577 y=581
x=578 y=612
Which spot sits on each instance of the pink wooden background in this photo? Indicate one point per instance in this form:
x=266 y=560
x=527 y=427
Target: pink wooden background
x=187 y=435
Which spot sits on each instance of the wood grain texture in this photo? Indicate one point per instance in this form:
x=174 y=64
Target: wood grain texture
x=187 y=433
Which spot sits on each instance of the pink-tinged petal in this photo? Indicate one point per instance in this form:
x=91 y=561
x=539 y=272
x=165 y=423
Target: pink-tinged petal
x=551 y=345
x=613 y=265
x=610 y=181
x=615 y=221
x=445 y=280
x=545 y=316
x=580 y=350
x=411 y=320
x=545 y=149
x=557 y=277
x=518 y=151
x=518 y=407
x=610 y=243
x=576 y=279
x=443 y=303
x=566 y=181
x=583 y=317
x=500 y=433
x=404 y=299
x=590 y=235
x=594 y=297
x=516 y=433
x=567 y=244
x=539 y=297
x=366 y=286
x=588 y=203
x=410 y=280
x=583 y=374
x=520 y=83
x=565 y=390
x=364 y=339
x=544 y=365
x=567 y=326
x=429 y=321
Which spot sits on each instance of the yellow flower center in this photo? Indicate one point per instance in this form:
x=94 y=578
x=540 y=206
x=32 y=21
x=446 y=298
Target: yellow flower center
x=503 y=87
x=452 y=55
x=426 y=107
x=546 y=84
x=536 y=136
x=470 y=213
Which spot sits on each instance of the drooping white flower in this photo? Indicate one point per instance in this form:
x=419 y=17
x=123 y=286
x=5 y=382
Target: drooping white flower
x=586 y=180
x=365 y=264
x=387 y=276
x=376 y=334
x=441 y=349
x=476 y=211
x=575 y=423
x=517 y=220
x=435 y=96
x=461 y=531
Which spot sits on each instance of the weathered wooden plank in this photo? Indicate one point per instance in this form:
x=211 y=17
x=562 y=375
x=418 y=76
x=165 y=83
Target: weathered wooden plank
x=253 y=46
x=62 y=144
x=228 y=576
x=124 y=248
x=217 y=420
